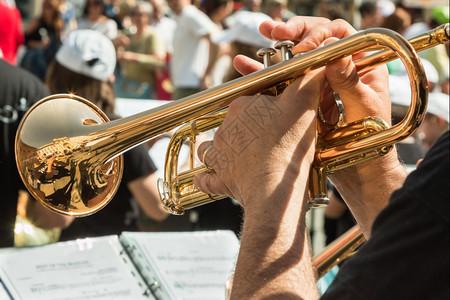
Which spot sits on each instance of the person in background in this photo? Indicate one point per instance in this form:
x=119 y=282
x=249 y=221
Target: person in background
x=166 y=27
x=69 y=16
x=435 y=123
x=332 y=10
x=19 y=90
x=274 y=260
x=218 y=11
x=11 y=34
x=94 y=18
x=244 y=38
x=84 y=66
x=246 y=5
x=437 y=55
x=410 y=149
x=251 y=5
x=278 y=10
x=43 y=38
x=112 y=11
x=370 y=15
x=164 y=24
x=140 y=53
x=194 y=55
x=398 y=21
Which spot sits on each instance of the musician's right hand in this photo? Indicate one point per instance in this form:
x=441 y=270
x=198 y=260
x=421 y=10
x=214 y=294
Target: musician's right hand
x=363 y=95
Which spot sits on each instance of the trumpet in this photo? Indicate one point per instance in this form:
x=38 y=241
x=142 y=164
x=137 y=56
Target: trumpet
x=69 y=155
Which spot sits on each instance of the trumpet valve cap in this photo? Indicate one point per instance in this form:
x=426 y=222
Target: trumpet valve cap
x=266 y=53
x=284 y=47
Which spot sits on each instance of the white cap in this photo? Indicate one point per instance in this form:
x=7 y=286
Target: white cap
x=400 y=92
x=387 y=7
x=438 y=104
x=245 y=29
x=88 y=52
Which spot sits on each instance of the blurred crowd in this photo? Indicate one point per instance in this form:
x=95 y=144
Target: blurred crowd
x=167 y=49
x=170 y=49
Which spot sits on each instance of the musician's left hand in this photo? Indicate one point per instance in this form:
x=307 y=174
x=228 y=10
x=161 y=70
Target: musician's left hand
x=265 y=143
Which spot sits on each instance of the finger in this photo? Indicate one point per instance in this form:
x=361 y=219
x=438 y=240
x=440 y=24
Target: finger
x=328 y=106
x=203 y=150
x=246 y=65
x=210 y=183
x=314 y=36
x=266 y=27
x=355 y=90
x=343 y=79
x=292 y=30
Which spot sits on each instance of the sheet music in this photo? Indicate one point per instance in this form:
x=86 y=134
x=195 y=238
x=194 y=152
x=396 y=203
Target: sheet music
x=81 y=269
x=190 y=265
x=4 y=295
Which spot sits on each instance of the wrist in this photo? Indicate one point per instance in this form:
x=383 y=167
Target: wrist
x=366 y=187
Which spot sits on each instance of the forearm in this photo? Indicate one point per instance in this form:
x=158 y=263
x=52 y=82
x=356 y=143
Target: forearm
x=144 y=189
x=365 y=191
x=150 y=61
x=275 y=256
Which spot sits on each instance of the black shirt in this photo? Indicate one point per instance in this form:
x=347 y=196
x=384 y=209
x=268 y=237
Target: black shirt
x=19 y=89
x=407 y=256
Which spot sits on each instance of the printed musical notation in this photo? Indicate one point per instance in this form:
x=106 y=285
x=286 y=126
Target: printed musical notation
x=198 y=269
x=73 y=272
x=134 y=265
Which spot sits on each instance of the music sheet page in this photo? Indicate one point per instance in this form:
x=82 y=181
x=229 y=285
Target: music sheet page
x=81 y=269
x=190 y=265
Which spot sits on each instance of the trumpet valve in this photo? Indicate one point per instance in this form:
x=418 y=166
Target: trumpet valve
x=284 y=47
x=266 y=53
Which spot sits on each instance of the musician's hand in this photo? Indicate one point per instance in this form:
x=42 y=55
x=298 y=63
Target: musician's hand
x=261 y=156
x=265 y=144
x=363 y=95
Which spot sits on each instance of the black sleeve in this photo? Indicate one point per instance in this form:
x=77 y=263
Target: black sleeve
x=407 y=256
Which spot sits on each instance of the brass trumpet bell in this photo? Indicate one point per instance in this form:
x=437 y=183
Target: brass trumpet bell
x=59 y=164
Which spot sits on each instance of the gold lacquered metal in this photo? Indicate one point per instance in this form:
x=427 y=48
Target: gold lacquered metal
x=68 y=156
x=339 y=250
x=61 y=162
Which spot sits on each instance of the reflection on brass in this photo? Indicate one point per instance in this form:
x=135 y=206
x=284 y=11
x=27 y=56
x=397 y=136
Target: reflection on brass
x=68 y=155
x=61 y=164
x=339 y=250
